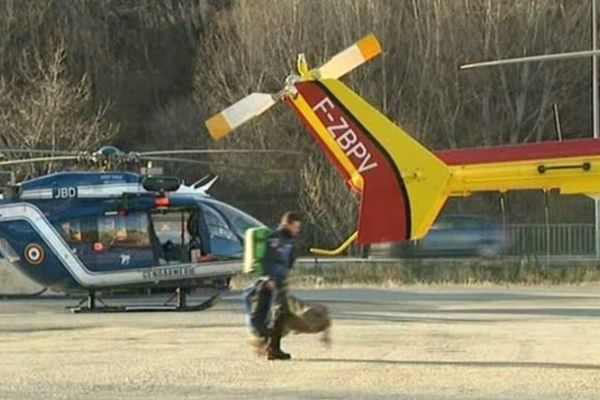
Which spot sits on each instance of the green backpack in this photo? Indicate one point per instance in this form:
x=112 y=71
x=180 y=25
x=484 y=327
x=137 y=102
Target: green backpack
x=255 y=250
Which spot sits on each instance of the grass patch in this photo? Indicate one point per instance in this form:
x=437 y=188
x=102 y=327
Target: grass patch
x=432 y=272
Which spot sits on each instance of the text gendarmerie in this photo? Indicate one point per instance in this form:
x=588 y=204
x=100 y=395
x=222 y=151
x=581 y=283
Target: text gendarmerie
x=168 y=273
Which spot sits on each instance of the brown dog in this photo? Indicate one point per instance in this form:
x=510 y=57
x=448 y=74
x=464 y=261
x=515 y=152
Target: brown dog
x=302 y=317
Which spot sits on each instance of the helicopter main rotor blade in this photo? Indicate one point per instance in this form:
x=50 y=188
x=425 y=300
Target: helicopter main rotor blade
x=39 y=151
x=543 y=57
x=348 y=59
x=221 y=124
x=173 y=159
x=216 y=151
x=199 y=162
x=39 y=159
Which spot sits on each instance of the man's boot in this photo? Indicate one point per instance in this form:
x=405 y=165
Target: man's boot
x=274 y=351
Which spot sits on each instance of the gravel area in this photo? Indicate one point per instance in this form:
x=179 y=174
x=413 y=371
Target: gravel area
x=411 y=343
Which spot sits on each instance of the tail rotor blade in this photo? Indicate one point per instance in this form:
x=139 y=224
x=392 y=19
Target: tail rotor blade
x=350 y=58
x=221 y=124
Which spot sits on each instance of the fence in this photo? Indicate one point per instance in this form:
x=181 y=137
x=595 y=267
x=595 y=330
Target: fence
x=553 y=239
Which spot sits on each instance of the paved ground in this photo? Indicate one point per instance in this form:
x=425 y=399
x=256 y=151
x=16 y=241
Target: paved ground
x=458 y=343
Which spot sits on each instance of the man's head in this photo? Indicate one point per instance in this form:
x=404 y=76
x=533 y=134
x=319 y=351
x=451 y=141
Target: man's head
x=290 y=221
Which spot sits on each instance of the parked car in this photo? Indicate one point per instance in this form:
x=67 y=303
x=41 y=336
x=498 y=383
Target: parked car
x=455 y=235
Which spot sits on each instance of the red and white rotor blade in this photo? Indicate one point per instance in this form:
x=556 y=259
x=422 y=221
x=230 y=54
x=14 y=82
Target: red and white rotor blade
x=221 y=124
x=348 y=59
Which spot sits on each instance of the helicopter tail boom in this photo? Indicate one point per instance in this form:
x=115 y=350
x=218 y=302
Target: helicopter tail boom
x=403 y=185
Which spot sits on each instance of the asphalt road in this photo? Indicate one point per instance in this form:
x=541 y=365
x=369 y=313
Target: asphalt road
x=411 y=343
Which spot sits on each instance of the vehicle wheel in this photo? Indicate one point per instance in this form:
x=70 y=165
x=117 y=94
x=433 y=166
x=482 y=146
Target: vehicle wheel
x=488 y=250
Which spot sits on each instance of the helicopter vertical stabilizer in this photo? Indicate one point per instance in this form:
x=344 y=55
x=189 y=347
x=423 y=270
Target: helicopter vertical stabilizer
x=402 y=183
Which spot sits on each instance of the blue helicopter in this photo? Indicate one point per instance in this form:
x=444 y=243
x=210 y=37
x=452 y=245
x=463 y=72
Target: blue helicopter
x=97 y=231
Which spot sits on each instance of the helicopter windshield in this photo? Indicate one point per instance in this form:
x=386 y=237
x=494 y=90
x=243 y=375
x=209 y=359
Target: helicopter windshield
x=239 y=220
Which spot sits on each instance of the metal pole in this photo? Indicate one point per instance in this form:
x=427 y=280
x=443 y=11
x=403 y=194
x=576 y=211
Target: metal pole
x=557 y=125
x=595 y=118
x=547 y=223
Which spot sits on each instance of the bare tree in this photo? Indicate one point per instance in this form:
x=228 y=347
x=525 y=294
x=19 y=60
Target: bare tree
x=252 y=46
x=327 y=202
x=48 y=110
x=142 y=57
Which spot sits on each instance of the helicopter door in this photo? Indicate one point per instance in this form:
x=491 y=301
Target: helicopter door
x=172 y=236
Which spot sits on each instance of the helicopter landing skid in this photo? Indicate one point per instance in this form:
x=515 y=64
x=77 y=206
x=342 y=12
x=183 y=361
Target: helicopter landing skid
x=88 y=305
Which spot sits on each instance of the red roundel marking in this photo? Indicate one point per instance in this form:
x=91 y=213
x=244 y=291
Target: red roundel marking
x=34 y=254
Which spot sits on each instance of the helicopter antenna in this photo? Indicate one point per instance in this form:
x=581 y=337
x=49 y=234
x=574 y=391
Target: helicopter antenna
x=206 y=187
x=200 y=181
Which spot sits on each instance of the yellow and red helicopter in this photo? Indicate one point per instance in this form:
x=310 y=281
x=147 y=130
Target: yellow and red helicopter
x=402 y=185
